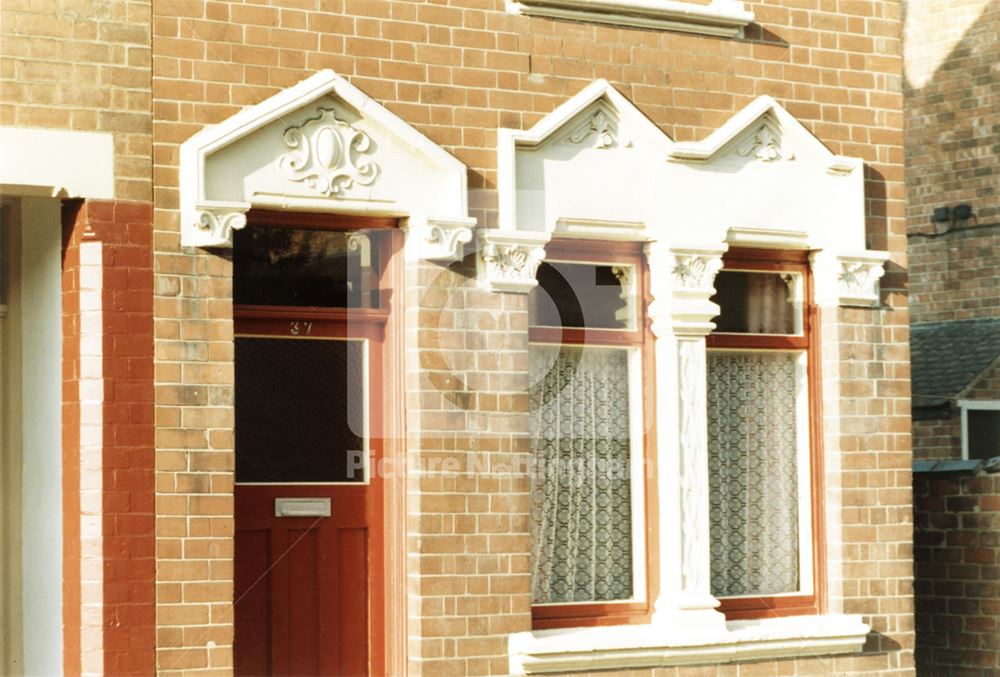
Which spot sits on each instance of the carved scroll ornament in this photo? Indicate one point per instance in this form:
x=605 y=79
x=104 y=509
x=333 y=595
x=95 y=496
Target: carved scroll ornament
x=328 y=155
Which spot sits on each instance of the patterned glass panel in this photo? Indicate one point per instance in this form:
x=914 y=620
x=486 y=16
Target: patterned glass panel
x=300 y=407
x=753 y=472
x=582 y=514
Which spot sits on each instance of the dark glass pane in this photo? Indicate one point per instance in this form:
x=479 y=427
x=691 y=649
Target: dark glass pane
x=756 y=303
x=582 y=295
x=299 y=267
x=300 y=407
x=984 y=433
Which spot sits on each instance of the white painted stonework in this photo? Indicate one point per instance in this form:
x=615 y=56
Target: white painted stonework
x=761 y=179
x=323 y=146
x=725 y=18
x=56 y=163
x=646 y=646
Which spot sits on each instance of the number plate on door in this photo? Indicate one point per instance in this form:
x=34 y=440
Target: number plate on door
x=302 y=507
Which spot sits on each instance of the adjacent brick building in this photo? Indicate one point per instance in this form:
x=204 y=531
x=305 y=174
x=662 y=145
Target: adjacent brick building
x=434 y=157
x=952 y=91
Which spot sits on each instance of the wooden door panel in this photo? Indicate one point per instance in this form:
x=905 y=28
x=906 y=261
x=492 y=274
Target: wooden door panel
x=305 y=578
x=253 y=602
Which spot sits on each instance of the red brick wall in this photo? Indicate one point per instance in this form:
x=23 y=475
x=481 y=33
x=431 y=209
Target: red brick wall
x=952 y=122
x=125 y=231
x=957 y=554
x=955 y=276
x=940 y=438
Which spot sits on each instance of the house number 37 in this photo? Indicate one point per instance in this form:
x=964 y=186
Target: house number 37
x=300 y=328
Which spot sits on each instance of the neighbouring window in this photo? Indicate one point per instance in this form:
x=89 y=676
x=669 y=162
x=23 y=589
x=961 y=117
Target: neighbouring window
x=980 y=429
x=587 y=405
x=761 y=436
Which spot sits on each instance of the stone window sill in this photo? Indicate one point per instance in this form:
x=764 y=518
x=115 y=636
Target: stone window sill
x=726 y=18
x=645 y=646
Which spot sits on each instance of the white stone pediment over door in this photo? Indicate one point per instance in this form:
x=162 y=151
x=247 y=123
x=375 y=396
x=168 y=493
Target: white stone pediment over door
x=322 y=146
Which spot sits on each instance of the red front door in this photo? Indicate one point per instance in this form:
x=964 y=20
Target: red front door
x=312 y=297
x=308 y=506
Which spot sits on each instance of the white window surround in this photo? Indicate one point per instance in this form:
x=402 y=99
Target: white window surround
x=597 y=168
x=964 y=407
x=653 y=645
x=323 y=145
x=724 y=18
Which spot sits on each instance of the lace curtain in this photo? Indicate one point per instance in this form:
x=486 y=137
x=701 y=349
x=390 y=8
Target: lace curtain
x=581 y=512
x=753 y=474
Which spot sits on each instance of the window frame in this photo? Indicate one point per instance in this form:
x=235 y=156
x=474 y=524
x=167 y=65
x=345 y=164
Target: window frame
x=975 y=405
x=637 y=610
x=804 y=601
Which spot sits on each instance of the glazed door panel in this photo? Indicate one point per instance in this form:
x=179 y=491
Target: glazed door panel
x=308 y=511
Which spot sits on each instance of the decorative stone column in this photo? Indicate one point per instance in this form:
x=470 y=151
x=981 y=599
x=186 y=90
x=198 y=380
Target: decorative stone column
x=682 y=283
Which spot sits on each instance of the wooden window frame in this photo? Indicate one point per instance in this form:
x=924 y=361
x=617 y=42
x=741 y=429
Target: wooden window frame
x=766 y=260
x=590 y=614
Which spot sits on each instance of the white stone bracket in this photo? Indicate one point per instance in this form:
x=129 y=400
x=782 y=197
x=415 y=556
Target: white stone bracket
x=507 y=261
x=437 y=239
x=849 y=279
x=215 y=222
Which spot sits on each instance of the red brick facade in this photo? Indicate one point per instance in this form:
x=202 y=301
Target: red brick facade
x=123 y=230
x=456 y=72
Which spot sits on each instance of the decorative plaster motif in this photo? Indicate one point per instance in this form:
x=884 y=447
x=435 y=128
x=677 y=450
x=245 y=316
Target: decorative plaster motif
x=603 y=128
x=437 y=239
x=696 y=271
x=860 y=278
x=694 y=463
x=848 y=279
x=448 y=238
x=216 y=223
x=509 y=264
x=626 y=278
x=765 y=145
x=327 y=154
x=358 y=241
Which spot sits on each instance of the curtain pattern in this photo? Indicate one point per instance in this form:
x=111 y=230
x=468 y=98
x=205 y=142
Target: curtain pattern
x=581 y=512
x=753 y=474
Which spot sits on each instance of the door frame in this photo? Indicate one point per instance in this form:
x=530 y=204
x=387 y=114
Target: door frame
x=392 y=596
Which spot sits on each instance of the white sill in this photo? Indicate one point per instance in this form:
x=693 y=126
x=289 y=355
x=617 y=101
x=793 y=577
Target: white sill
x=725 y=18
x=645 y=646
